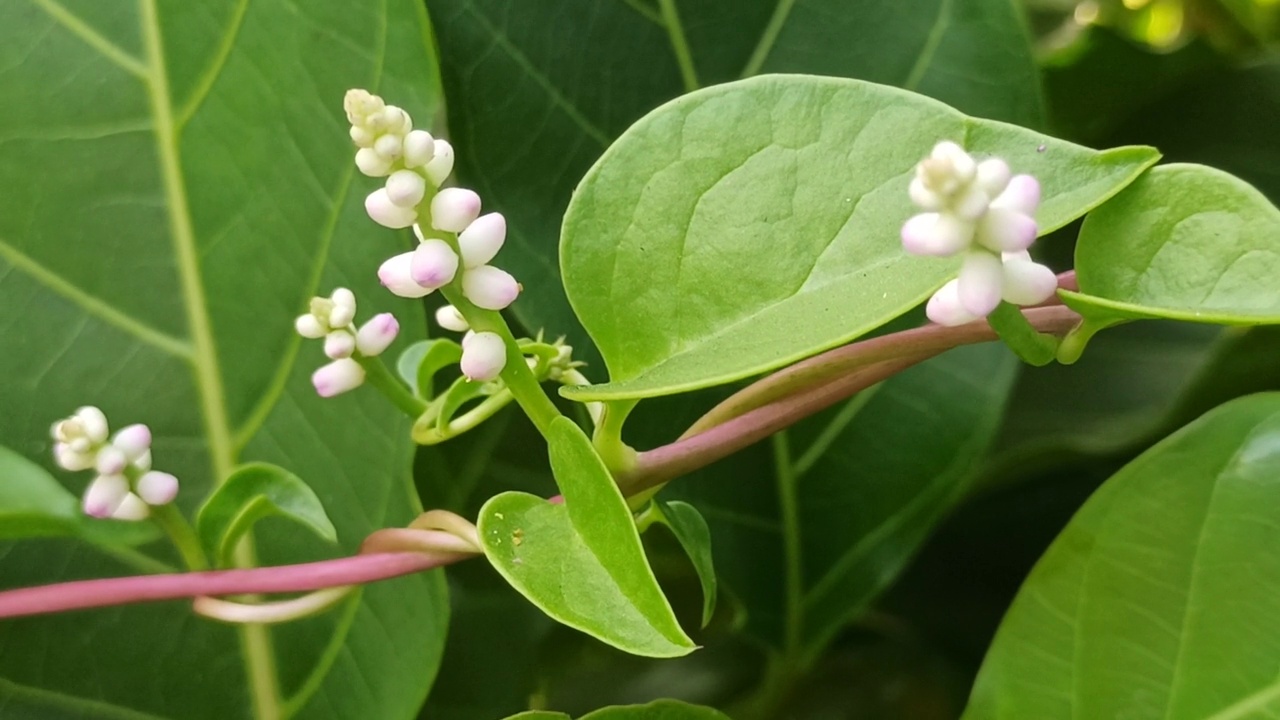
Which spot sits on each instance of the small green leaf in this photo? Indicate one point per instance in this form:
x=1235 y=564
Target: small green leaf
x=32 y=502
x=657 y=710
x=1185 y=242
x=746 y=226
x=253 y=492
x=1157 y=599
x=582 y=561
x=691 y=531
x=419 y=363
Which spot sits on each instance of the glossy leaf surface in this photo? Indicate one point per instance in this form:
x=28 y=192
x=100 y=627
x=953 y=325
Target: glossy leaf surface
x=746 y=226
x=1148 y=603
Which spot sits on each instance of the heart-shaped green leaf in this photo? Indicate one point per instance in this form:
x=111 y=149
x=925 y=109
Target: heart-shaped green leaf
x=1153 y=601
x=746 y=226
x=1185 y=242
x=582 y=561
x=253 y=492
x=691 y=531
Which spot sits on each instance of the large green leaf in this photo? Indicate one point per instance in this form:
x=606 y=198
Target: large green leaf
x=857 y=490
x=31 y=502
x=746 y=226
x=581 y=561
x=1185 y=242
x=177 y=184
x=563 y=103
x=1155 y=602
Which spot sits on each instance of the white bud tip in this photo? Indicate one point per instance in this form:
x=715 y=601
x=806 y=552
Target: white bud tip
x=386 y=213
x=944 y=307
x=394 y=274
x=344 y=308
x=361 y=137
x=1021 y=195
x=377 y=334
x=308 y=326
x=489 y=287
x=453 y=209
x=483 y=356
x=406 y=188
x=133 y=441
x=993 y=176
x=370 y=162
x=482 y=239
x=936 y=234
x=1027 y=282
x=337 y=377
x=157 y=488
x=434 y=264
x=388 y=146
x=441 y=163
x=110 y=461
x=1005 y=230
x=68 y=458
x=449 y=318
x=339 y=344
x=981 y=282
x=131 y=508
x=104 y=495
x=419 y=148
x=93 y=422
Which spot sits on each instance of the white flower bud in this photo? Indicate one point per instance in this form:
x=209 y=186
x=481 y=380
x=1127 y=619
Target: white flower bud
x=70 y=459
x=960 y=166
x=104 y=495
x=1027 y=282
x=110 y=461
x=993 y=176
x=376 y=334
x=388 y=146
x=923 y=197
x=372 y=163
x=81 y=445
x=981 y=278
x=362 y=137
x=482 y=239
x=339 y=344
x=133 y=441
x=394 y=274
x=386 y=213
x=309 y=326
x=1022 y=195
x=484 y=355
x=936 y=234
x=970 y=203
x=441 y=163
x=434 y=264
x=93 y=423
x=489 y=288
x=337 y=377
x=406 y=188
x=131 y=508
x=419 y=148
x=344 y=308
x=449 y=318
x=1004 y=230
x=396 y=120
x=360 y=105
x=944 y=307
x=453 y=209
x=157 y=488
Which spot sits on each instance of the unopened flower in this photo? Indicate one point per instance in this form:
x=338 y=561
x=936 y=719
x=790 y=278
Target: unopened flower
x=449 y=318
x=132 y=508
x=434 y=264
x=489 y=287
x=484 y=354
x=104 y=495
x=453 y=209
x=134 y=441
x=327 y=314
x=441 y=163
x=395 y=275
x=339 y=344
x=419 y=149
x=406 y=188
x=1021 y=281
x=386 y=213
x=482 y=239
x=157 y=488
x=337 y=377
x=119 y=463
x=377 y=334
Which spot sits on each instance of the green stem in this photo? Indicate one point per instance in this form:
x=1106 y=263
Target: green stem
x=788 y=505
x=466 y=421
x=680 y=45
x=182 y=535
x=381 y=378
x=618 y=456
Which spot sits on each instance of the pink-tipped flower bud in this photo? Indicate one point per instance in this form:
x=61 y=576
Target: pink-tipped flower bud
x=482 y=239
x=453 y=209
x=377 y=334
x=489 y=287
x=133 y=441
x=1005 y=230
x=110 y=460
x=157 y=488
x=132 y=509
x=371 y=163
x=386 y=213
x=981 y=279
x=441 y=163
x=339 y=344
x=434 y=264
x=936 y=234
x=944 y=307
x=337 y=377
x=104 y=495
x=394 y=274
x=419 y=148
x=484 y=354
x=1027 y=282
x=1022 y=195
x=309 y=326
x=406 y=188
x=449 y=318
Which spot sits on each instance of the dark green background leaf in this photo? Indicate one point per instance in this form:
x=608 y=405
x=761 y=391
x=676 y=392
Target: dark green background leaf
x=31 y=502
x=691 y=531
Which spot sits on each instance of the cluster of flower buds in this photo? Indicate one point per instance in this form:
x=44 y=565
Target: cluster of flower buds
x=333 y=318
x=434 y=264
x=125 y=487
x=979 y=210
x=389 y=147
